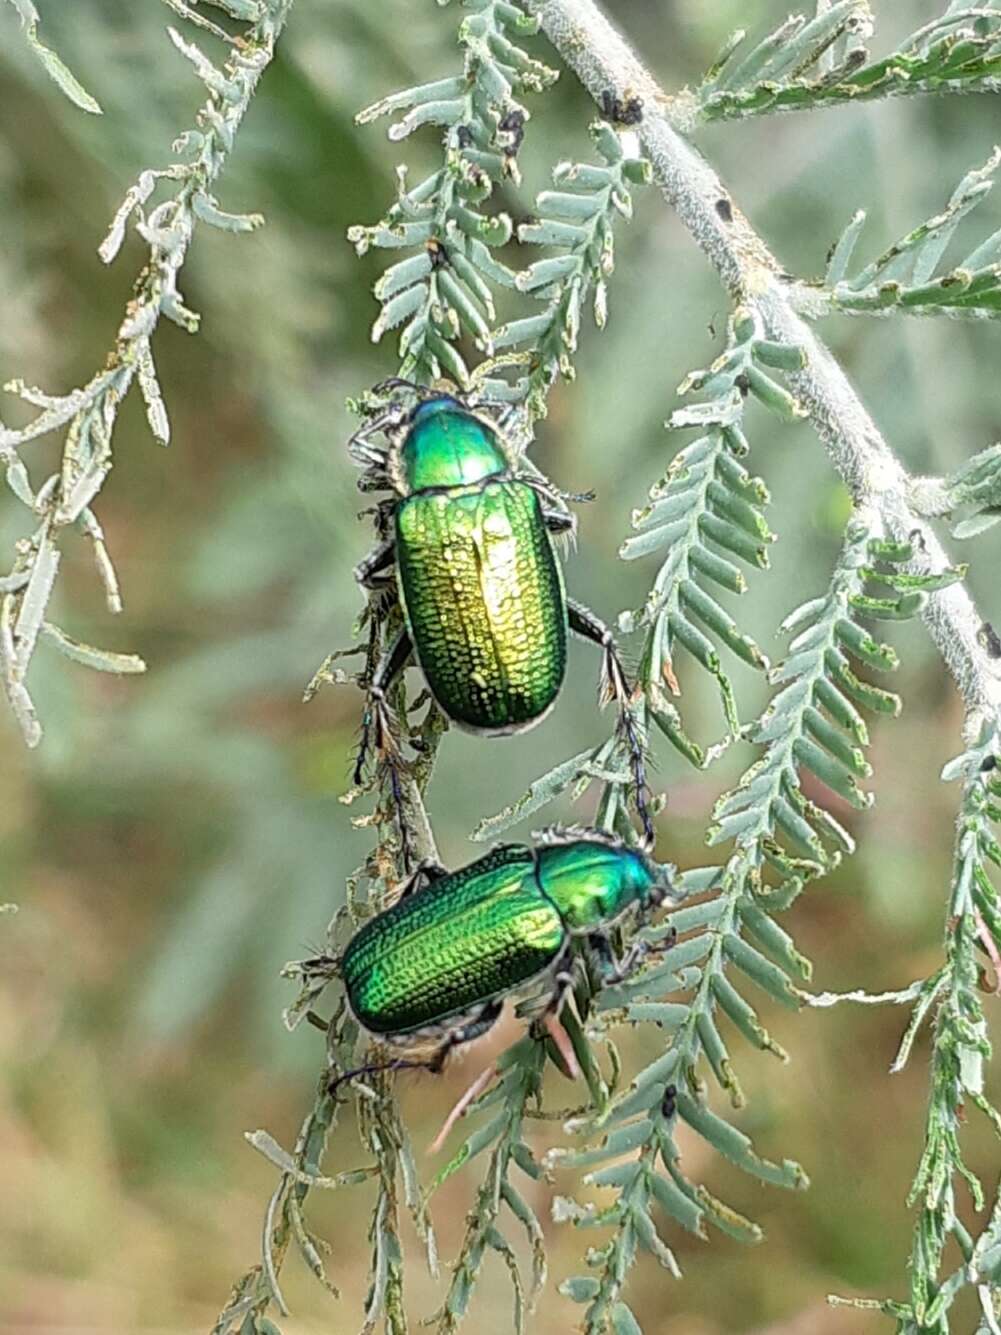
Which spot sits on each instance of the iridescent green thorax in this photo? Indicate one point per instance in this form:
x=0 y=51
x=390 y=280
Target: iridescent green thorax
x=483 y=596
x=593 y=883
x=468 y=937
x=447 y=446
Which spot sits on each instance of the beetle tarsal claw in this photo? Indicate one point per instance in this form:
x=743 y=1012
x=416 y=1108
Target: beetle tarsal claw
x=613 y=686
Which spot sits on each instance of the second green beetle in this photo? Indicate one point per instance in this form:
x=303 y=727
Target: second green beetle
x=486 y=612
x=438 y=965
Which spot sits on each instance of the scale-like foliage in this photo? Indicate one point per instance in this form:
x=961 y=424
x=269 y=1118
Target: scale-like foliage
x=823 y=61
x=781 y=838
x=909 y=276
x=444 y=289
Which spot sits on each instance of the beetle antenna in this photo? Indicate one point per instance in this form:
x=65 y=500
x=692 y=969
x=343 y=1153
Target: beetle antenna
x=377 y=736
x=397 y=382
x=374 y=1068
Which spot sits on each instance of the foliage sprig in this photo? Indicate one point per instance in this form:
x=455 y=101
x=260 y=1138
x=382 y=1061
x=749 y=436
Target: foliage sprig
x=577 y=218
x=809 y=63
x=518 y=1085
x=707 y=514
x=89 y=414
x=909 y=278
x=445 y=288
x=960 y=1050
x=782 y=838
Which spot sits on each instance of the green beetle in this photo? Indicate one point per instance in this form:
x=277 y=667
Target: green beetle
x=438 y=965
x=485 y=611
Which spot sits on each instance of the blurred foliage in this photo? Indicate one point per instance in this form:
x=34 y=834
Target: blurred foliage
x=178 y=837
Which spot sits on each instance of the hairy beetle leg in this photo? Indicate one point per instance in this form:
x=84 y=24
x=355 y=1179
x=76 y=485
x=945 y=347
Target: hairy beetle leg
x=371 y=571
x=559 y=521
x=484 y=1019
x=377 y=735
x=376 y=732
x=615 y=686
x=617 y=969
x=547 y=1018
x=399 y=382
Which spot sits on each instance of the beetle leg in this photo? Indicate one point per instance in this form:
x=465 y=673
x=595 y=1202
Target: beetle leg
x=368 y=571
x=398 y=382
x=559 y=521
x=616 y=969
x=549 y=491
x=547 y=1015
x=615 y=686
x=360 y=445
x=374 y=479
x=583 y=622
x=375 y=730
x=485 y=1018
x=427 y=872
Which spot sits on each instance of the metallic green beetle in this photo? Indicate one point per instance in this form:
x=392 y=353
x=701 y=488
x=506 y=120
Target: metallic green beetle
x=486 y=614
x=438 y=965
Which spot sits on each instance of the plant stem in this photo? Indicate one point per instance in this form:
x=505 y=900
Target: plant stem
x=604 y=61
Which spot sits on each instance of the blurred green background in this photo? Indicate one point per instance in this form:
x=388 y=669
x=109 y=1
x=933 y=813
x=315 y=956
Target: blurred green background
x=178 y=837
